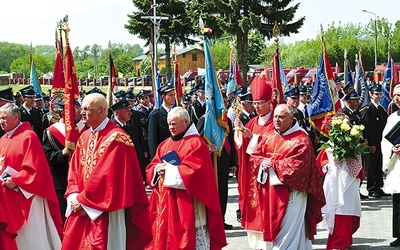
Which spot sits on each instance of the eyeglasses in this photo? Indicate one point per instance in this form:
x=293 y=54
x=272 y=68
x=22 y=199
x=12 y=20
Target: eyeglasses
x=259 y=103
x=86 y=109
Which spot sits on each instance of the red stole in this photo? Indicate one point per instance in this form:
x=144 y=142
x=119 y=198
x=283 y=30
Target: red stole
x=23 y=153
x=294 y=150
x=172 y=210
x=107 y=182
x=248 y=187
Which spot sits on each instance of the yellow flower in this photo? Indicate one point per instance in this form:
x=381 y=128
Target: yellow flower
x=345 y=126
x=353 y=132
x=362 y=127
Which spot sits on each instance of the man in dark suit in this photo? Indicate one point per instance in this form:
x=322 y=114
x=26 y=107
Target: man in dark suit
x=226 y=163
x=352 y=101
x=198 y=107
x=158 y=127
x=374 y=120
x=128 y=119
x=29 y=113
x=248 y=111
x=57 y=156
x=144 y=110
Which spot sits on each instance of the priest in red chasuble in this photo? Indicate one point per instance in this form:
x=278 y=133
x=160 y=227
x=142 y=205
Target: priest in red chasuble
x=246 y=139
x=107 y=206
x=29 y=211
x=184 y=205
x=293 y=194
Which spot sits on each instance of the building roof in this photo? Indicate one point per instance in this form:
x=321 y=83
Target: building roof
x=162 y=53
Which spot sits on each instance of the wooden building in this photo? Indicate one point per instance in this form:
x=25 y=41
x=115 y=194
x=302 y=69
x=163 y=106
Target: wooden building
x=188 y=59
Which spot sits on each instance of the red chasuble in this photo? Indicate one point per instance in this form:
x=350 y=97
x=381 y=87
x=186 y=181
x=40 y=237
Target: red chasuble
x=23 y=152
x=172 y=210
x=248 y=187
x=105 y=171
x=294 y=163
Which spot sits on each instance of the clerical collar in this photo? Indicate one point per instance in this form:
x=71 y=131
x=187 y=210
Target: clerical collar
x=11 y=132
x=292 y=128
x=263 y=119
x=102 y=125
x=190 y=130
x=180 y=136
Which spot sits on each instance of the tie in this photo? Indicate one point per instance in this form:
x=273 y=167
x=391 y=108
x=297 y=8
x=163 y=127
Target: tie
x=305 y=112
x=306 y=116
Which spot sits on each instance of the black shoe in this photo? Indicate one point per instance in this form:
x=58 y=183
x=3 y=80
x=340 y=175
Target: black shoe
x=363 y=197
x=239 y=216
x=374 y=194
x=227 y=226
x=380 y=191
x=395 y=243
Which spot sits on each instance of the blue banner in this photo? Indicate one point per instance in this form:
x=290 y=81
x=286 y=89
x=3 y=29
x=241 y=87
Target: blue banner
x=360 y=84
x=387 y=83
x=216 y=124
x=34 y=80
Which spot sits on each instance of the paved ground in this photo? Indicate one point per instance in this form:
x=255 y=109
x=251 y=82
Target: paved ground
x=375 y=231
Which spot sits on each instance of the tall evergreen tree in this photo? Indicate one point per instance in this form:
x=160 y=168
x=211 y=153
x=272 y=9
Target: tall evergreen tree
x=177 y=29
x=239 y=17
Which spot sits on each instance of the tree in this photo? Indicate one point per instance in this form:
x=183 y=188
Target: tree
x=9 y=52
x=239 y=17
x=177 y=29
x=43 y=65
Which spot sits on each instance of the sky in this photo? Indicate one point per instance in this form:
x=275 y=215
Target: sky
x=101 y=21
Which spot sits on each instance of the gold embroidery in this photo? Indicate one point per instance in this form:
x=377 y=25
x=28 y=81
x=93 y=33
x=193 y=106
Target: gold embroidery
x=91 y=155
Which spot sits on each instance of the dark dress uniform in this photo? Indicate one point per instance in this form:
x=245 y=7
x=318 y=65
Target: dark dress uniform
x=144 y=120
x=58 y=166
x=196 y=110
x=374 y=120
x=134 y=129
x=225 y=162
x=34 y=118
x=355 y=117
x=158 y=129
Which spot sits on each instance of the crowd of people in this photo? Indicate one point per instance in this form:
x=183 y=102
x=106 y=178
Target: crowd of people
x=96 y=196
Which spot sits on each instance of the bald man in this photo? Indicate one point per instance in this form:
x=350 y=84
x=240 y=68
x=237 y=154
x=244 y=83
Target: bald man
x=107 y=206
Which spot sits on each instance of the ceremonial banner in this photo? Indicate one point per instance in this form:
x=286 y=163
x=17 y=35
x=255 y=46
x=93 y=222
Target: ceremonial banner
x=34 y=80
x=71 y=104
x=235 y=78
x=57 y=90
x=283 y=77
x=347 y=73
x=359 y=82
x=216 y=126
x=156 y=87
x=276 y=76
x=112 y=83
x=176 y=82
x=325 y=99
x=387 y=83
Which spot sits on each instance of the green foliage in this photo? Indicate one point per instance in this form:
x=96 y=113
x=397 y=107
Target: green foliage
x=145 y=66
x=22 y=64
x=345 y=140
x=221 y=54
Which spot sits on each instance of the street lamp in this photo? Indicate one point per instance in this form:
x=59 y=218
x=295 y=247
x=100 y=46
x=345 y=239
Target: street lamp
x=376 y=36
